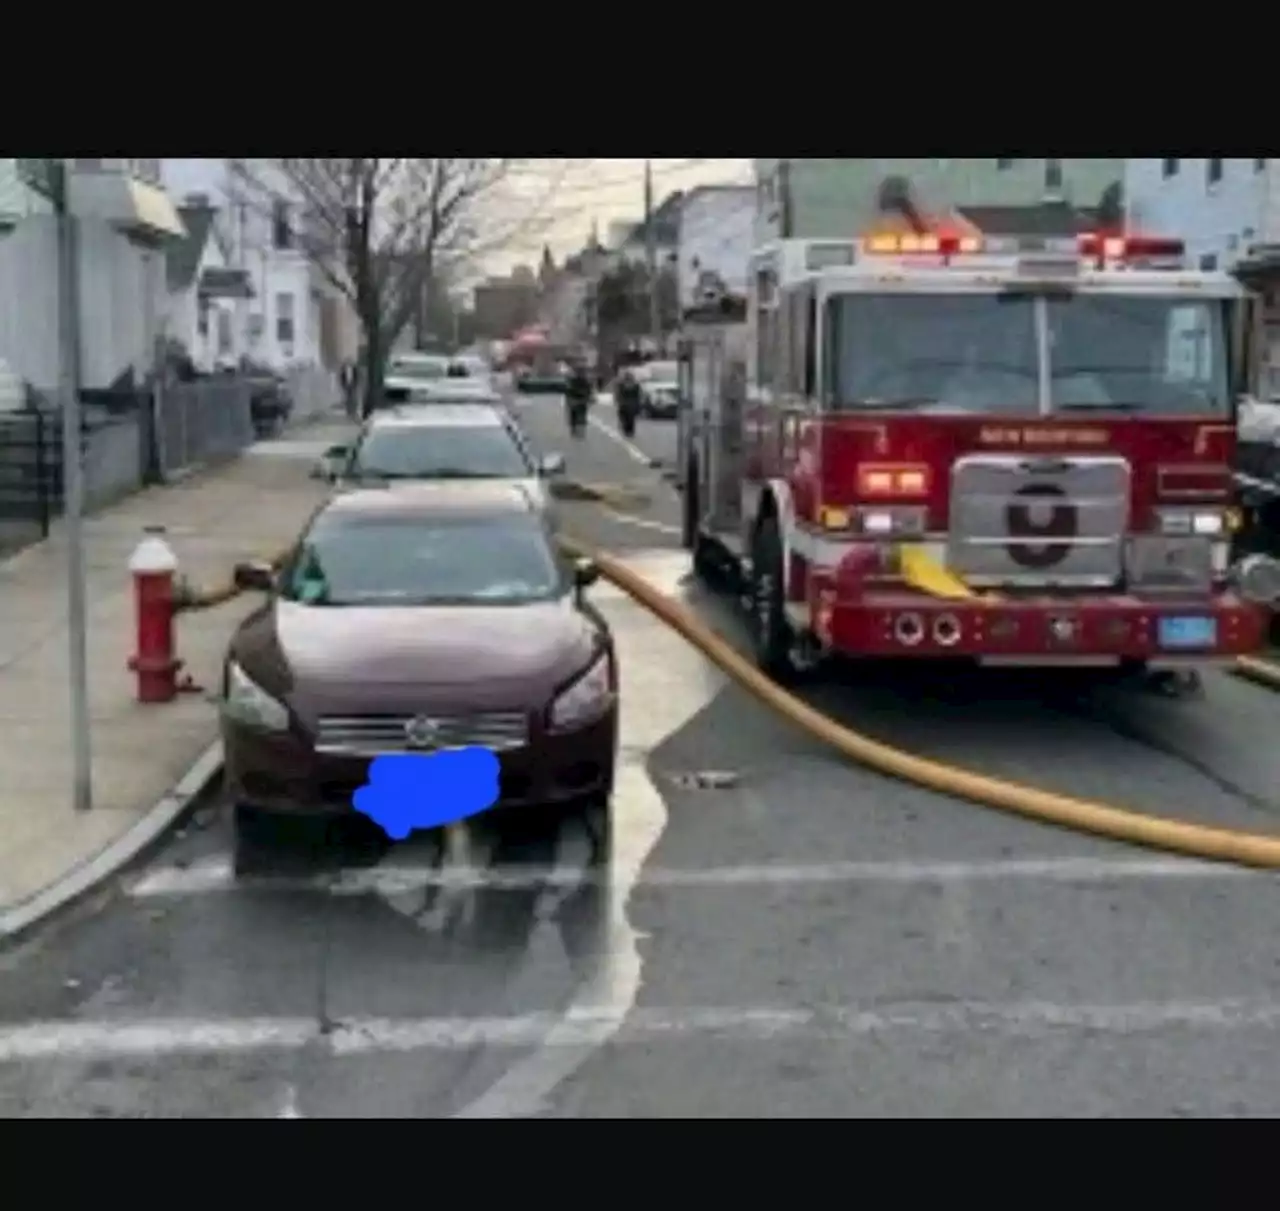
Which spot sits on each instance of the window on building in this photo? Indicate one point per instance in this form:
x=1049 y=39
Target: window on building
x=281 y=225
x=224 y=333
x=1004 y=164
x=1260 y=164
x=1053 y=174
x=1169 y=166
x=1213 y=171
x=284 y=319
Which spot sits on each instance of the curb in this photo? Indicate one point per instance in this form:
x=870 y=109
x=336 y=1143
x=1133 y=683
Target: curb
x=90 y=874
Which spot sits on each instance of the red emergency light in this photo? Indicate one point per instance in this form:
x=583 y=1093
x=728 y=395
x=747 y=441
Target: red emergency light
x=1100 y=246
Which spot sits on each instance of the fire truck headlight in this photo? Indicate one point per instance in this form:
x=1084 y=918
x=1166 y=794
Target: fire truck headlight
x=891 y=521
x=1206 y=523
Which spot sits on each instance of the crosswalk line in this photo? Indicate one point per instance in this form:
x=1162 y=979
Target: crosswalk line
x=214 y=875
x=158 y=1039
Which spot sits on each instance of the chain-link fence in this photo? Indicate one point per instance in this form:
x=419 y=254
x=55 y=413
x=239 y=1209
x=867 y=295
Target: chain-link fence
x=198 y=423
x=129 y=438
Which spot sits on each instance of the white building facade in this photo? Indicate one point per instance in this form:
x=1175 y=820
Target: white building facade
x=1221 y=207
x=1228 y=212
x=125 y=222
x=292 y=318
x=717 y=233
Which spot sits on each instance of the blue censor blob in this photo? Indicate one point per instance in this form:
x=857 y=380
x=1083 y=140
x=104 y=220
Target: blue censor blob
x=407 y=791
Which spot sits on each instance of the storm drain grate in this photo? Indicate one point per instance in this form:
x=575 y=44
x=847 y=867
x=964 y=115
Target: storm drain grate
x=705 y=779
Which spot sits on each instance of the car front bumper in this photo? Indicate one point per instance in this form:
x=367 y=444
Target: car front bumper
x=282 y=772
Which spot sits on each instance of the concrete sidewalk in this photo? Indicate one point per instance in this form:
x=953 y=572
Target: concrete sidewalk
x=249 y=507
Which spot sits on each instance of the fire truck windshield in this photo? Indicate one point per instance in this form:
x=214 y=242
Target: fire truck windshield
x=977 y=353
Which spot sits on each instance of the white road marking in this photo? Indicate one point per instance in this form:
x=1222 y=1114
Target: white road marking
x=588 y=1027
x=644 y=523
x=662 y=688
x=613 y=435
x=666 y=570
x=289 y=1105
x=212 y=875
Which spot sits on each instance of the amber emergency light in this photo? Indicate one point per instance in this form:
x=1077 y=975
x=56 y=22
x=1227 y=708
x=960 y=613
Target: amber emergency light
x=893 y=481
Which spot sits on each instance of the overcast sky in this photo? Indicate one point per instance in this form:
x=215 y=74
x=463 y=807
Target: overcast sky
x=567 y=195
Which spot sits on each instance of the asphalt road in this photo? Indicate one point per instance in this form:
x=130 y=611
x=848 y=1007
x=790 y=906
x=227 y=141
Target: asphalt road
x=778 y=934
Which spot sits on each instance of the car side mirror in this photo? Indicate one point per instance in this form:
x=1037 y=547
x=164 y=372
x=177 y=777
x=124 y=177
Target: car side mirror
x=256 y=575
x=552 y=464
x=585 y=574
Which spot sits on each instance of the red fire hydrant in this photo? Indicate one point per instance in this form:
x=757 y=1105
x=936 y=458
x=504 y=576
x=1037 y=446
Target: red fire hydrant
x=152 y=566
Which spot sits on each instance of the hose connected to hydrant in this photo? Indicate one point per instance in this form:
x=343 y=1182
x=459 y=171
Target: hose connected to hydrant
x=160 y=595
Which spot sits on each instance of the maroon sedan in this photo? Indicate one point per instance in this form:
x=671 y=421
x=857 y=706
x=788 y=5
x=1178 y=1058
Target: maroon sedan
x=417 y=618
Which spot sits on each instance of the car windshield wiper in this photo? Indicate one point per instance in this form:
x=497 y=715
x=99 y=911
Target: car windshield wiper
x=1109 y=406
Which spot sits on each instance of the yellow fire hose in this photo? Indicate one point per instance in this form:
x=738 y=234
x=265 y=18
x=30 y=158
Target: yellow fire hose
x=1136 y=828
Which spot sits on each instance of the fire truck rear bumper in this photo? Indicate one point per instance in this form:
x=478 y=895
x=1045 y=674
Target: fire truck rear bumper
x=1092 y=630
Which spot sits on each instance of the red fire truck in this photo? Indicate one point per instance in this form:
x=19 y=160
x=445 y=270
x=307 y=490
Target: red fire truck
x=921 y=443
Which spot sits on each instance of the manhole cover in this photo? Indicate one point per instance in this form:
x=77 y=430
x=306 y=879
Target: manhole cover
x=705 y=780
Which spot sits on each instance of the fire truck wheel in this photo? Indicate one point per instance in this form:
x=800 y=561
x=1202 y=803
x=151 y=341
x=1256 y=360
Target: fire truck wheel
x=770 y=631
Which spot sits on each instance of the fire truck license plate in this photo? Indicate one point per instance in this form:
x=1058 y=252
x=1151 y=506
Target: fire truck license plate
x=1188 y=632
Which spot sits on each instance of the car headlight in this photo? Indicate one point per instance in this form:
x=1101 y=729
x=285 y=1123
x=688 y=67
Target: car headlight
x=1206 y=523
x=588 y=697
x=248 y=704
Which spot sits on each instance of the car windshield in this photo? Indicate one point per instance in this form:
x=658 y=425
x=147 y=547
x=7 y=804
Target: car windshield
x=353 y=560
x=439 y=452
x=661 y=374
x=425 y=369
x=976 y=353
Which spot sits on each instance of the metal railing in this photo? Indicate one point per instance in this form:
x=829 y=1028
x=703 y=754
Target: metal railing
x=199 y=423
x=129 y=438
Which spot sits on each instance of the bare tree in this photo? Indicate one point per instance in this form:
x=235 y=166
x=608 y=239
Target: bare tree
x=377 y=229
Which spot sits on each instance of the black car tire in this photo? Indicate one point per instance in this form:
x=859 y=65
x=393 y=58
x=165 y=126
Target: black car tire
x=255 y=841
x=597 y=821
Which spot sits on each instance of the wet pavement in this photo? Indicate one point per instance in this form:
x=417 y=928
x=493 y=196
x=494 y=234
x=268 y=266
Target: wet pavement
x=776 y=933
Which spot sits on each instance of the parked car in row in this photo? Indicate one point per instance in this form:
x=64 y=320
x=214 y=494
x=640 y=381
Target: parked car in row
x=417 y=442
x=659 y=390
x=414 y=620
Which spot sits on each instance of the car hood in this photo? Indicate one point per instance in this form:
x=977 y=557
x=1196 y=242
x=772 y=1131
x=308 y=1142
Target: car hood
x=453 y=658
x=404 y=383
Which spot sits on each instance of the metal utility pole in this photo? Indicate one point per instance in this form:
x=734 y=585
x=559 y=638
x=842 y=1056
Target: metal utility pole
x=651 y=259
x=786 y=211
x=72 y=481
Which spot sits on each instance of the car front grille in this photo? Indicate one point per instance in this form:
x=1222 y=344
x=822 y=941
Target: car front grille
x=371 y=735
